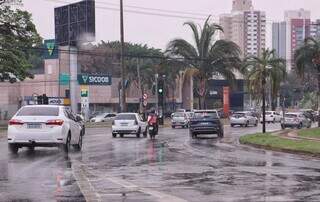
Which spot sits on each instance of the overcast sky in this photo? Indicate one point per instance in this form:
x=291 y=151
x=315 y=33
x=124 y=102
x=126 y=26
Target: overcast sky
x=154 y=30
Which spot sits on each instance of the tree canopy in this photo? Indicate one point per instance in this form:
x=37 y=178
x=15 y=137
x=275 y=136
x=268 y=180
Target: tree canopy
x=18 y=39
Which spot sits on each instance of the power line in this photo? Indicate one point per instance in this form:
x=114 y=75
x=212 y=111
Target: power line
x=194 y=15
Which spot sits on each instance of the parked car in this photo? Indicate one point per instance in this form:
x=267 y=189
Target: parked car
x=103 y=117
x=129 y=123
x=243 y=119
x=295 y=120
x=179 y=119
x=206 y=122
x=309 y=113
x=271 y=117
x=44 y=126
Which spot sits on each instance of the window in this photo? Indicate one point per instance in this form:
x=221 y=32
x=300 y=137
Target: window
x=39 y=111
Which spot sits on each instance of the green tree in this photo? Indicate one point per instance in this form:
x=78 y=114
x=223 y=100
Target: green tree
x=268 y=68
x=18 y=39
x=308 y=57
x=206 y=56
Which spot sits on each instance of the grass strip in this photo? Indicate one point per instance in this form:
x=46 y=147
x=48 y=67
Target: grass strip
x=278 y=143
x=312 y=133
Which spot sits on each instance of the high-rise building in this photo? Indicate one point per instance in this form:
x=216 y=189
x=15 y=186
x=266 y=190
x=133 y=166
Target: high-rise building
x=245 y=26
x=279 y=38
x=254 y=32
x=241 y=5
x=297 y=28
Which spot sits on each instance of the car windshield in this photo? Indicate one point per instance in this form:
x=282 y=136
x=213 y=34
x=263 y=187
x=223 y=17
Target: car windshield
x=125 y=117
x=205 y=115
x=291 y=115
x=268 y=113
x=39 y=111
x=239 y=115
x=178 y=115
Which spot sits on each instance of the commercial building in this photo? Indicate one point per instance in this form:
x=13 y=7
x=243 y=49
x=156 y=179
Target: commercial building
x=245 y=26
x=315 y=29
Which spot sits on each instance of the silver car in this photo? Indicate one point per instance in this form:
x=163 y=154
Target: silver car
x=295 y=120
x=179 y=119
x=243 y=119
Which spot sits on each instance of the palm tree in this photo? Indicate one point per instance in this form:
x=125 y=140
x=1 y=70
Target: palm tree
x=260 y=70
x=308 y=57
x=207 y=56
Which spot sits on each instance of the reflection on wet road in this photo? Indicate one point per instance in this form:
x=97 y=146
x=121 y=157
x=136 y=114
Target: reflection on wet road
x=171 y=168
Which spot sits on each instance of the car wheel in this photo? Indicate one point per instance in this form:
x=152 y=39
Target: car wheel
x=282 y=127
x=231 y=125
x=173 y=126
x=138 y=133
x=121 y=135
x=256 y=123
x=13 y=148
x=66 y=146
x=220 y=134
x=247 y=124
x=114 y=135
x=78 y=146
x=300 y=126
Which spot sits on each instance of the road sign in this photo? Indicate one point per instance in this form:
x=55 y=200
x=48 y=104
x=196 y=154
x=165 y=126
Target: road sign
x=145 y=103
x=145 y=96
x=98 y=80
x=64 y=79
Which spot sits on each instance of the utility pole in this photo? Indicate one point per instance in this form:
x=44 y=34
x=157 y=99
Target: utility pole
x=123 y=69
x=157 y=93
x=264 y=101
x=140 y=87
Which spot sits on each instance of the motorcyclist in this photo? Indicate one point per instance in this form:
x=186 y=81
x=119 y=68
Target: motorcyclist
x=153 y=120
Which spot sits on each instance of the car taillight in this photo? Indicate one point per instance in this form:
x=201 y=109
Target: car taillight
x=55 y=122
x=15 y=122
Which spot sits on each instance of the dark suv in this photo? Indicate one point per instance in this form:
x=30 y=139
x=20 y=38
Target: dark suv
x=206 y=122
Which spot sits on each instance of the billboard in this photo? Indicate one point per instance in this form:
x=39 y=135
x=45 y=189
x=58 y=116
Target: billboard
x=94 y=80
x=51 y=49
x=75 y=23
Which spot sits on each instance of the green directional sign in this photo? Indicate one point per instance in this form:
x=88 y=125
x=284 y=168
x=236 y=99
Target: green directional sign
x=51 y=49
x=91 y=79
x=64 y=79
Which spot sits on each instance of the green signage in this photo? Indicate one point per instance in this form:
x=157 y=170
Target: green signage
x=91 y=79
x=64 y=79
x=51 y=49
x=84 y=93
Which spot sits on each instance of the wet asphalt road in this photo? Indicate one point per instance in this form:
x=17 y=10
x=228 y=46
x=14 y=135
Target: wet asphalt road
x=172 y=168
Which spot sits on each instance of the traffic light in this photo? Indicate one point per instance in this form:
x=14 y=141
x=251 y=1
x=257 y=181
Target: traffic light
x=39 y=100
x=45 y=99
x=160 y=92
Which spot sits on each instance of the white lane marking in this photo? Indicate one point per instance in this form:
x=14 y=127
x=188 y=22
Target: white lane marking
x=162 y=197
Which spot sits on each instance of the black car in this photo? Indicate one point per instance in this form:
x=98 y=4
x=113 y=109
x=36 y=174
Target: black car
x=206 y=122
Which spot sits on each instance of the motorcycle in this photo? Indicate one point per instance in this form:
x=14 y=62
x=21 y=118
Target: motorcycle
x=153 y=130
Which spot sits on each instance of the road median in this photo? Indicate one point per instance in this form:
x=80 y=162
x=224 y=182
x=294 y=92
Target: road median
x=284 y=142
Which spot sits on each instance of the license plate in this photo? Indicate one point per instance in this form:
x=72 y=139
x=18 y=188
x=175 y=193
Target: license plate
x=34 y=126
x=151 y=128
x=205 y=123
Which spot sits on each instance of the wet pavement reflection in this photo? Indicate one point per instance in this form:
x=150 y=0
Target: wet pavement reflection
x=173 y=167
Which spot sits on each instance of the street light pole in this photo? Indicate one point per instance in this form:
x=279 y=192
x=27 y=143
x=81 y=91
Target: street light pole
x=123 y=70
x=157 y=93
x=264 y=101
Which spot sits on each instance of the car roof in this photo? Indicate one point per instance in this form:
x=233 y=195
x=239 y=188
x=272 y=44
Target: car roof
x=128 y=113
x=206 y=110
x=44 y=106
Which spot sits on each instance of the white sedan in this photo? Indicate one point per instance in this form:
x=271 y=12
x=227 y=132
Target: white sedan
x=44 y=126
x=129 y=123
x=272 y=117
x=103 y=117
x=243 y=119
